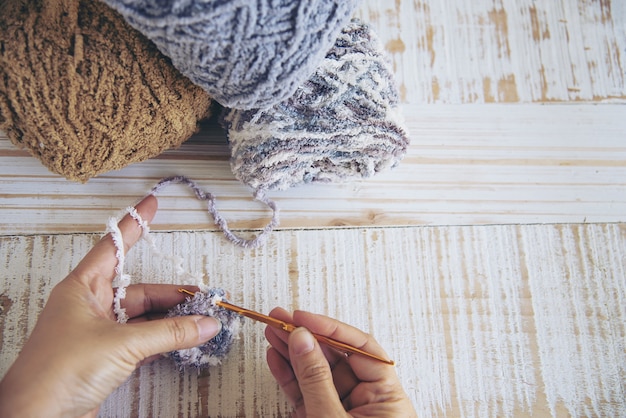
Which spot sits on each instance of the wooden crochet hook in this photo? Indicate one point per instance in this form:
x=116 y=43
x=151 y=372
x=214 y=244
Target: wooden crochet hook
x=286 y=326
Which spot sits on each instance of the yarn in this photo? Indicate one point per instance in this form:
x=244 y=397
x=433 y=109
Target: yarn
x=342 y=123
x=246 y=54
x=213 y=351
x=203 y=302
x=86 y=93
x=217 y=217
x=122 y=280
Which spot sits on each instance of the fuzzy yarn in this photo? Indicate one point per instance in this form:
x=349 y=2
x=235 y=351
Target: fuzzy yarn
x=122 y=279
x=213 y=351
x=246 y=54
x=342 y=123
x=203 y=302
x=209 y=198
x=86 y=93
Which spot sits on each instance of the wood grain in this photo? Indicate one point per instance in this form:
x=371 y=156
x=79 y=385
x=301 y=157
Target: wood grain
x=516 y=110
x=451 y=51
x=484 y=321
x=504 y=163
x=478 y=164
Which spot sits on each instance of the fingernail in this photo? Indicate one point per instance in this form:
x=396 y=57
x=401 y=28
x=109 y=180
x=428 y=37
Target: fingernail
x=208 y=327
x=301 y=341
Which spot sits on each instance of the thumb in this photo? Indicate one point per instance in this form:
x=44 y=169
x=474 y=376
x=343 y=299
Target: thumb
x=314 y=375
x=176 y=333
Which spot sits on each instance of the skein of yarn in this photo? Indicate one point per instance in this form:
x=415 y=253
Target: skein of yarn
x=85 y=92
x=342 y=123
x=246 y=54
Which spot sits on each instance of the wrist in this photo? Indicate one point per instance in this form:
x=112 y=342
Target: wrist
x=21 y=397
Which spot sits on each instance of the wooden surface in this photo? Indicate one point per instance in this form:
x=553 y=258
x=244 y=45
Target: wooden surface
x=484 y=321
x=467 y=164
x=451 y=51
x=515 y=111
x=517 y=116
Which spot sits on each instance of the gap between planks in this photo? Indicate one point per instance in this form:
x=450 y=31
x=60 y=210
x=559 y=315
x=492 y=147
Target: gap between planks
x=467 y=164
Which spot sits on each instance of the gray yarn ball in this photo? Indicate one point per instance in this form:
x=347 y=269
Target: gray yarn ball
x=342 y=123
x=213 y=351
x=244 y=53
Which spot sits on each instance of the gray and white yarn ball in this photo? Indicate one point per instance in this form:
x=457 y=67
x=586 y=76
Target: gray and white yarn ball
x=342 y=123
x=212 y=352
x=245 y=54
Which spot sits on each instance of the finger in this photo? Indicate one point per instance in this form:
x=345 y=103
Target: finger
x=169 y=334
x=277 y=340
x=344 y=379
x=100 y=262
x=365 y=369
x=279 y=366
x=283 y=373
x=91 y=414
x=277 y=337
x=151 y=298
x=282 y=314
x=343 y=376
x=314 y=376
x=147 y=317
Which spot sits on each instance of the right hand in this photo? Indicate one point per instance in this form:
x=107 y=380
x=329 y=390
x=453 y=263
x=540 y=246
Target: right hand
x=320 y=381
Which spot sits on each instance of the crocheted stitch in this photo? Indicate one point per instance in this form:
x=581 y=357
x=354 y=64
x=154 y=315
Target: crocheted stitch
x=246 y=54
x=342 y=123
x=213 y=351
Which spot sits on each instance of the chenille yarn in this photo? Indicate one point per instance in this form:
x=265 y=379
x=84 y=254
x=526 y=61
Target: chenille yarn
x=204 y=302
x=246 y=54
x=342 y=123
x=122 y=279
x=209 y=198
x=213 y=351
x=86 y=93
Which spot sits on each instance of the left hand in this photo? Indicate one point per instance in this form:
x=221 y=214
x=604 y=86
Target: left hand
x=78 y=354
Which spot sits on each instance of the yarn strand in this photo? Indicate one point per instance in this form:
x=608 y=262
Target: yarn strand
x=218 y=219
x=123 y=279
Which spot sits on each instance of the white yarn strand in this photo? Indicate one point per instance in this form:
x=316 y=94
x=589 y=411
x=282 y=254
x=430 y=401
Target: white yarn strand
x=121 y=279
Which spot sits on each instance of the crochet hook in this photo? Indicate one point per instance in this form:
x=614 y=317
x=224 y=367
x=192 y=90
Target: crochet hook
x=286 y=326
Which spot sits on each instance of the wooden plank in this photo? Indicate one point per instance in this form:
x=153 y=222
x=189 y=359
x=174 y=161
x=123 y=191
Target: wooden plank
x=478 y=164
x=508 y=320
x=483 y=321
x=453 y=51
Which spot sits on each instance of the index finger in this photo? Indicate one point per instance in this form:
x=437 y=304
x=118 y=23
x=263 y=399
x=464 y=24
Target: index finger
x=364 y=368
x=101 y=261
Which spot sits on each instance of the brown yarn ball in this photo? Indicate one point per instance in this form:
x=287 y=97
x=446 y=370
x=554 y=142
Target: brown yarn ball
x=86 y=93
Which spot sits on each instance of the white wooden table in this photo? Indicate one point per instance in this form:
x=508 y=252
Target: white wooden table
x=491 y=262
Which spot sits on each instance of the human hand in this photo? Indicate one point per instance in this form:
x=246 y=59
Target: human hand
x=320 y=381
x=78 y=354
